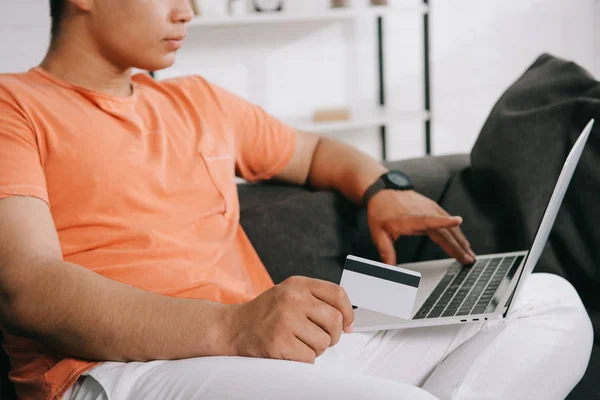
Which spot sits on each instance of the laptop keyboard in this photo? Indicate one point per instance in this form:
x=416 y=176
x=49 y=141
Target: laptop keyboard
x=467 y=290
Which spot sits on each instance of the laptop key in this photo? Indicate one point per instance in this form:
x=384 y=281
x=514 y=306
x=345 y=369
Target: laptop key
x=465 y=290
x=421 y=314
x=495 y=262
x=467 y=307
x=471 y=280
x=428 y=305
x=436 y=312
x=450 y=313
x=453 y=270
x=479 y=310
x=485 y=300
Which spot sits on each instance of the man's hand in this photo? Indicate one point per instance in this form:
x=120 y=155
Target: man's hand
x=296 y=320
x=393 y=214
x=332 y=164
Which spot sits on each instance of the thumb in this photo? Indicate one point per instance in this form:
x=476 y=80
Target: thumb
x=385 y=246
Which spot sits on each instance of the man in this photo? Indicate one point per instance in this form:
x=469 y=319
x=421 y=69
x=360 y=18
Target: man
x=120 y=244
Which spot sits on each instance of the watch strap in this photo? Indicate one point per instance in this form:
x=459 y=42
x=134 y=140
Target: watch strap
x=384 y=182
x=375 y=188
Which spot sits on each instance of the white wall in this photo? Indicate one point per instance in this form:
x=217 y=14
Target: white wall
x=482 y=47
x=24 y=33
x=478 y=49
x=291 y=69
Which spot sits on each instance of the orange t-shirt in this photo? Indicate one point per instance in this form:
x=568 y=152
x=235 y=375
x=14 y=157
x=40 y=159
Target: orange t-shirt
x=142 y=190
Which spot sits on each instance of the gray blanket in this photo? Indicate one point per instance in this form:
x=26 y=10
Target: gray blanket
x=514 y=167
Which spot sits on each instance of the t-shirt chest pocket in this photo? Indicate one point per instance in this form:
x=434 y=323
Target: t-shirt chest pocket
x=220 y=164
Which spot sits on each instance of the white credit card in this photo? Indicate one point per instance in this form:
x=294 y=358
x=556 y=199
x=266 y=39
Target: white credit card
x=380 y=287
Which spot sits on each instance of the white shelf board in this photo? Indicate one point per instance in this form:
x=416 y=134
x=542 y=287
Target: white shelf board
x=359 y=120
x=333 y=14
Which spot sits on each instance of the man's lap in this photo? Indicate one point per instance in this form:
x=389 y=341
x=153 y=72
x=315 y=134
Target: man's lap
x=375 y=365
x=407 y=356
x=358 y=362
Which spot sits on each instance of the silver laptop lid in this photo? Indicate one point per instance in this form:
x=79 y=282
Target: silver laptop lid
x=552 y=209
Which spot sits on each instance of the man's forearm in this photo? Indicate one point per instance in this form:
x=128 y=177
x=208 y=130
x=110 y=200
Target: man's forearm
x=344 y=168
x=84 y=314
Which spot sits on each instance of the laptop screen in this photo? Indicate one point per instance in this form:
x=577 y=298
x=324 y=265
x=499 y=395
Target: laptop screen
x=541 y=237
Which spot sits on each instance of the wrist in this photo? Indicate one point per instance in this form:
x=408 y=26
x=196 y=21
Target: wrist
x=221 y=330
x=392 y=180
x=387 y=195
x=229 y=330
x=366 y=179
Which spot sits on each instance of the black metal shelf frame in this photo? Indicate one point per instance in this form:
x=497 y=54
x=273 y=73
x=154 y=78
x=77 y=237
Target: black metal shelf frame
x=426 y=75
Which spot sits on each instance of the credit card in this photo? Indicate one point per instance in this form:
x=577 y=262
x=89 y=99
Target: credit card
x=380 y=287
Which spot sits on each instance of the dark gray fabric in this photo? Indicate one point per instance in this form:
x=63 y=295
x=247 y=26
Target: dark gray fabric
x=297 y=231
x=7 y=389
x=431 y=174
x=589 y=387
x=515 y=164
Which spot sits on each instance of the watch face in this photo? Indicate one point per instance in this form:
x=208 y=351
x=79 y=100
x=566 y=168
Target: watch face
x=398 y=179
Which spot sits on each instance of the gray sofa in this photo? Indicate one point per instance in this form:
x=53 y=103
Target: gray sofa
x=297 y=231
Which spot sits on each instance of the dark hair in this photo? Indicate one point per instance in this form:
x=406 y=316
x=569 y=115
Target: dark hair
x=57 y=10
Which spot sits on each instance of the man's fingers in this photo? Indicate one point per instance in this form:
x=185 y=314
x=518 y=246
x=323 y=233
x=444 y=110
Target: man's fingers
x=327 y=318
x=313 y=336
x=299 y=351
x=438 y=239
x=385 y=246
x=335 y=296
x=457 y=250
x=447 y=242
x=458 y=235
x=413 y=224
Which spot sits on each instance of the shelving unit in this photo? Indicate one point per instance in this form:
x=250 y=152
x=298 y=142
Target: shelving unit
x=360 y=119
x=288 y=17
x=378 y=116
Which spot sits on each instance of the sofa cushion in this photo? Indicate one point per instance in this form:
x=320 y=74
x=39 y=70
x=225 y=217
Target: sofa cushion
x=297 y=231
x=589 y=388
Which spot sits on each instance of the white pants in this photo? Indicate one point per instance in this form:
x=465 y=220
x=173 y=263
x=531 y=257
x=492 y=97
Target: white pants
x=540 y=352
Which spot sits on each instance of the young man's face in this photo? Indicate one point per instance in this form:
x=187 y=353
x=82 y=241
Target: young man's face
x=143 y=34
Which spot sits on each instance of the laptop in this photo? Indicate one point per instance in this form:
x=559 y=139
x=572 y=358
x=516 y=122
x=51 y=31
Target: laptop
x=450 y=293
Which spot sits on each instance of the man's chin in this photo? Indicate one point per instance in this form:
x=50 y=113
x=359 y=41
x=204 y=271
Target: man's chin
x=157 y=64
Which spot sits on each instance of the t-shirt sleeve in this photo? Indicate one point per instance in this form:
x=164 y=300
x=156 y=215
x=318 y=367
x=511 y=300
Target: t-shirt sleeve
x=21 y=172
x=263 y=144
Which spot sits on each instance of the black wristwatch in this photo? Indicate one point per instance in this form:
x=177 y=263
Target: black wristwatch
x=394 y=180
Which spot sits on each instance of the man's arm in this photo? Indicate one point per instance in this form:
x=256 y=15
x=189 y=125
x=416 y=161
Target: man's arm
x=327 y=163
x=89 y=316
x=82 y=313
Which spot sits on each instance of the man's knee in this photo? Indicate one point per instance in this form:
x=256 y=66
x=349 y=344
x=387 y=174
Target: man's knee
x=554 y=304
x=548 y=292
x=551 y=303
